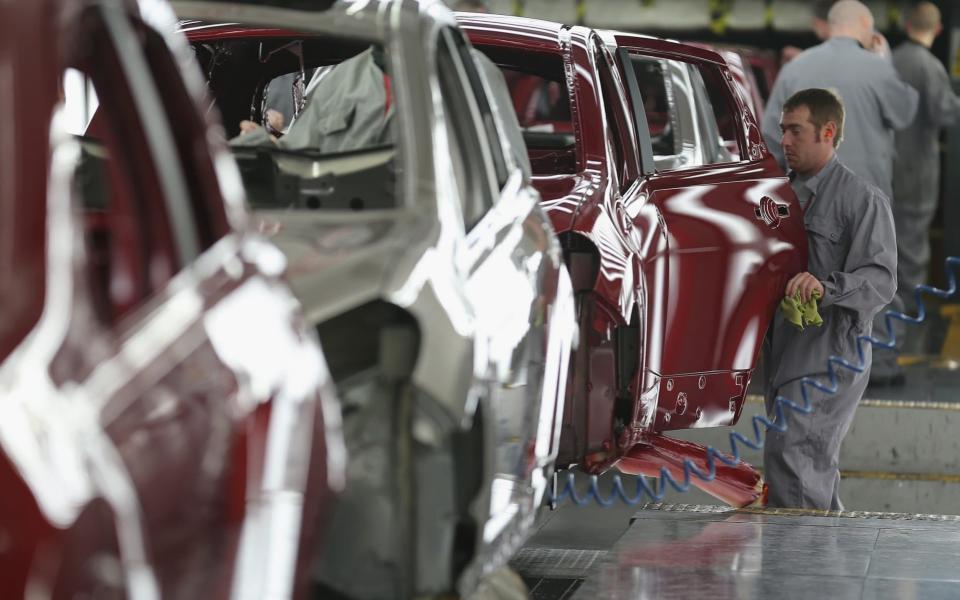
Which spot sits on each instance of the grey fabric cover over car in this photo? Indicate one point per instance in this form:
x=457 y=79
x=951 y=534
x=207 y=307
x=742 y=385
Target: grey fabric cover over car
x=347 y=110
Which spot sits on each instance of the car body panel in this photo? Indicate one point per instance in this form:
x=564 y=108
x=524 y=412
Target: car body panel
x=684 y=243
x=491 y=303
x=151 y=456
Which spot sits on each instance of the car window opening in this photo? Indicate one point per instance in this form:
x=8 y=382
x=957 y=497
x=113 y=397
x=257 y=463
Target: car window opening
x=538 y=88
x=310 y=120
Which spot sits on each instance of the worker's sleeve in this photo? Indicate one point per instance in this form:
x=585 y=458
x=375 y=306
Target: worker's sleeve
x=255 y=137
x=897 y=99
x=869 y=277
x=770 y=127
x=302 y=133
x=942 y=105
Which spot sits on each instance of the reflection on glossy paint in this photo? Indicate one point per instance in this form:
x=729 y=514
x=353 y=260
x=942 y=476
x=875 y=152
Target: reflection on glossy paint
x=502 y=508
x=355 y=6
x=548 y=37
x=562 y=335
x=169 y=324
x=42 y=436
x=490 y=285
x=35 y=445
x=271 y=330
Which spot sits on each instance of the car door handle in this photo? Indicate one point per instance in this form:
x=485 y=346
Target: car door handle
x=771 y=212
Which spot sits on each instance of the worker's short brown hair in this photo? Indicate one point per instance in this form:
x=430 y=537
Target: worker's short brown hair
x=924 y=17
x=824 y=106
x=821 y=9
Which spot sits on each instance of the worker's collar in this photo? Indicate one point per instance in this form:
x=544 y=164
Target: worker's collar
x=910 y=40
x=842 y=40
x=813 y=182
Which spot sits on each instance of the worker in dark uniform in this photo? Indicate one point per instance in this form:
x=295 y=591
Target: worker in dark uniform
x=916 y=168
x=852 y=266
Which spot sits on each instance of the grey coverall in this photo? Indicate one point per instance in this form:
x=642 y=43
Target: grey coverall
x=347 y=110
x=875 y=99
x=850 y=233
x=877 y=102
x=916 y=168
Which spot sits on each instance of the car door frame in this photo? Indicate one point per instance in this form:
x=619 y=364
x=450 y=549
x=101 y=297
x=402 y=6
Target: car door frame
x=195 y=314
x=712 y=396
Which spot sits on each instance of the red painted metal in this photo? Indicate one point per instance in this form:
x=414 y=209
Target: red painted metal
x=182 y=428
x=682 y=263
x=740 y=485
x=744 y=79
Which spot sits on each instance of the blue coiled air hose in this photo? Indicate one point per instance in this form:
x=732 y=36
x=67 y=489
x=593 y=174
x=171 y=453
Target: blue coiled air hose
x=761 y=423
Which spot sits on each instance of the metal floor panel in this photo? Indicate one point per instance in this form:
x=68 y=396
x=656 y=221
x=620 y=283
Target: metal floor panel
x=555 y=563
x=687 y=551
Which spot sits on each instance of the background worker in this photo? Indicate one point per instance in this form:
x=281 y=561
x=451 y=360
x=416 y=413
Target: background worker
x=818 y=23
x=852 y=265
x=916 y=168
x=877 y=101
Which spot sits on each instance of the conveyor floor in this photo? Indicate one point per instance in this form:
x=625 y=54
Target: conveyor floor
x=687 y=551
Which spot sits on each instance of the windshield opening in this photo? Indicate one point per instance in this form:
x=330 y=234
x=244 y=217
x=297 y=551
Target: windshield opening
x=309 y=120
x=538 y=88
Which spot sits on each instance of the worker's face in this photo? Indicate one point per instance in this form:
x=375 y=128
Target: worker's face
x=821 y=28
x=866 y=31
x=805 y=149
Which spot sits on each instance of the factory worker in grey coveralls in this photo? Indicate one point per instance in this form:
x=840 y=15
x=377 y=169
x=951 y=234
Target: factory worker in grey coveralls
x=916 y=168
x=877 y=102
x=349 y=109
x=852 y=263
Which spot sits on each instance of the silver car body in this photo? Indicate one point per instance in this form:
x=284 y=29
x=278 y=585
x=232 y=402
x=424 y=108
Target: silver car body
x=492 y=308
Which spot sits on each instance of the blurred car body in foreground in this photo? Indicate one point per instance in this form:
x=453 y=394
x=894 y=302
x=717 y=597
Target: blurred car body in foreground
x=168 y=427
x=420 y=251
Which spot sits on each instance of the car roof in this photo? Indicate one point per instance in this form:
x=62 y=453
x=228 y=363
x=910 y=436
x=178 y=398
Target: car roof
x=225 y=19
x=202 y=30
x=661 y=46
x=544 y=34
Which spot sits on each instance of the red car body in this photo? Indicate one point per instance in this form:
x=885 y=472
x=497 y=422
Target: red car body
x=165 y=419
x=678 y=271
x=745 y=80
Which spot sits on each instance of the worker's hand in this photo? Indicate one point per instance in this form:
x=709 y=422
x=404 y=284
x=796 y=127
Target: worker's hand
x=879 y=44
x=788 y=53
x=806 y=284
x=247 y=126
x=275 y=119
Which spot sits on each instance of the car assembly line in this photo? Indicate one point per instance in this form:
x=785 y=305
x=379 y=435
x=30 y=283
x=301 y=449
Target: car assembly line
x=352 y=299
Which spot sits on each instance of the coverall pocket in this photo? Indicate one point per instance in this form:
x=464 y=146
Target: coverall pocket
x=845 y=342
x=826 y=251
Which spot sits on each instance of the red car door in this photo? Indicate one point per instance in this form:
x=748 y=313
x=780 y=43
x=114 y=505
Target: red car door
x=732 y=228
x=172 y=390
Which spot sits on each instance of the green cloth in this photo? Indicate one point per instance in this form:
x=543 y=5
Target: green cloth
x=799 y=313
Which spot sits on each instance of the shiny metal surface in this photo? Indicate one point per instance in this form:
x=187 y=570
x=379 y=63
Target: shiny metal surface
x=490 y=301
x=677 y=277
x=684 y=551
x=161 y=454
